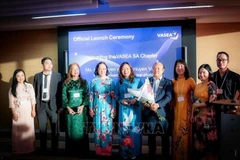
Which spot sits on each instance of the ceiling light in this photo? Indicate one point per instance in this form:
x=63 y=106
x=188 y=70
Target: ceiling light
x=184 y=7
x=58 y=16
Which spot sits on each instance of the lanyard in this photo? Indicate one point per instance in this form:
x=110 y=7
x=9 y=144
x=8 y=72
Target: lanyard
x=181 y=89
x=225 y=76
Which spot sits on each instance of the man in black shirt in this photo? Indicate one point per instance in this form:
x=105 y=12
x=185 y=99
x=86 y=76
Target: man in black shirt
x=228 y=83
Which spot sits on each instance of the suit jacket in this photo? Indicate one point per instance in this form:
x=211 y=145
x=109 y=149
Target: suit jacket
x=163 y=98
x=55 y=90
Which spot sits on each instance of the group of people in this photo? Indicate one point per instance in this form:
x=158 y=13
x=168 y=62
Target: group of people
x=181 y=109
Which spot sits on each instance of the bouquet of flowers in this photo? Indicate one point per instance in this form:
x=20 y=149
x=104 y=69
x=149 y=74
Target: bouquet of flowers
x=145 y=95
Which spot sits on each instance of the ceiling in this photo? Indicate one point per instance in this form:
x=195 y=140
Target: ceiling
x=16 y=14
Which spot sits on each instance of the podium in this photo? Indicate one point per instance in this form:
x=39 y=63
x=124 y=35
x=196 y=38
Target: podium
x=229 y=132
x=226 y=102
x=230 y=136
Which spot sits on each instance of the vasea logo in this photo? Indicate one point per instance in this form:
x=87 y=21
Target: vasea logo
x=167 y=34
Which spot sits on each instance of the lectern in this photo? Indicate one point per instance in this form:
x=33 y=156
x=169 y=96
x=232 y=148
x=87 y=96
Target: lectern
x=229 y=133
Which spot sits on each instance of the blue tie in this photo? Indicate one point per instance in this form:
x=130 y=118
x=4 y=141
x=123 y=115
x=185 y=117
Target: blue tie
x=155 y=87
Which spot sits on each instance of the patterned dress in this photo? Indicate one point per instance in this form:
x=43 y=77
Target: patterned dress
x=129 y=118
x=182 y=136
x=102 y=101
x=75 y=95
x=204 y=126
x=23 y=132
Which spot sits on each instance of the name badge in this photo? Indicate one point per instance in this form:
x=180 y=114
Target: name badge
x=127 y=95
x=22 y=102
x=45 y=90
x=180 y=99
x=76 y=95
x=219 y=91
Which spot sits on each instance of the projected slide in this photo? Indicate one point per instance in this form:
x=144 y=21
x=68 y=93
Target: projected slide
x=140 y=47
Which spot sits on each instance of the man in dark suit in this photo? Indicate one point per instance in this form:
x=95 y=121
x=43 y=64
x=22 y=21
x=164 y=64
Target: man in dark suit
x=48 y=88
x=157 y=114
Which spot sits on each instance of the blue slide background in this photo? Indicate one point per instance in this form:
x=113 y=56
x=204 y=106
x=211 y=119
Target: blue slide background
x=141 y=47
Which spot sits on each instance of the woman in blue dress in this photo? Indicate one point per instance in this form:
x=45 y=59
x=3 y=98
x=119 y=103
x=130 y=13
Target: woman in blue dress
x=102 y=109
x=129 y=118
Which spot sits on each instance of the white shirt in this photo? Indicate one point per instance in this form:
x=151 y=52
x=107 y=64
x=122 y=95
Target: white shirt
x=47 y=89
x=156 y=83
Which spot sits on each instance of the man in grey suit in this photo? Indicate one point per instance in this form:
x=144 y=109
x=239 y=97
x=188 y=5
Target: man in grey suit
x=48 y=88
x=157 y=114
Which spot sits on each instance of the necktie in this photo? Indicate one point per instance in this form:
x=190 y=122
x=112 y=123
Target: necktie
x=45 y=85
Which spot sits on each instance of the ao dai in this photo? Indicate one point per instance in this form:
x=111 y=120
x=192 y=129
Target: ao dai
x=182 y=135
x=129 y=119
x=23 y=132
x=102 y=101
x=74 y=95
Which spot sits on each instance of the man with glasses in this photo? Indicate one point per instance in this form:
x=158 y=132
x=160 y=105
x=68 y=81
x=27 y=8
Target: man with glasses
x=48 y=91
x=228 y=83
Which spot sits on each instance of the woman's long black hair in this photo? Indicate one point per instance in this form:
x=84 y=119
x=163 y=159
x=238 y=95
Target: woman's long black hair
x=186 y=73
x=15 y=82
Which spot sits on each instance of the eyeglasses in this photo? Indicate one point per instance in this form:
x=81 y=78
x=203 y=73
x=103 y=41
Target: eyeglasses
x=222 y=60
